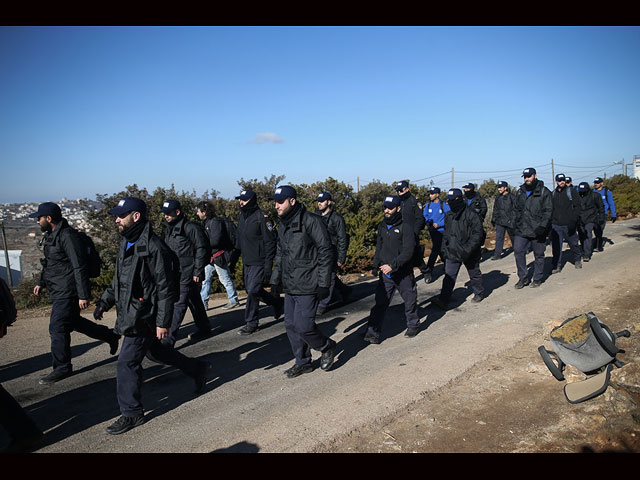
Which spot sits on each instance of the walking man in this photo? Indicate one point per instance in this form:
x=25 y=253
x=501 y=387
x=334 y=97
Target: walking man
x=434 y=212
x=392 y=262
x=65 y=275
x=533 y=207
x=502 y=217
x=609 y=206
x=220 y=244
x=476 y=201
x=190 y=244
x=303 y=268
x=412 y=215
x=462 y=245
x=256 y=241
x=591 y=215
x=564 y=224
x=145 y=286
x=337 y=229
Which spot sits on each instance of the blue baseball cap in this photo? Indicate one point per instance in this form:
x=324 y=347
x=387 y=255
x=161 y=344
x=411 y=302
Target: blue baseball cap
x=567 y=179
x=392 y=201
x=454 y=193
x=246 y=195
x=502 y=183
x=170 y=206
x=401 y=185
x=598 y=180
x=434 y=190
x=47 y=209
x=129 y=204
x=560 y=177
x=470 y=186
x=527 y=172
x=323 y=197
x=283 y=192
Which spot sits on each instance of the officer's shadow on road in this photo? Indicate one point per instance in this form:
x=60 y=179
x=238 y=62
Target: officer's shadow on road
x=633 y=235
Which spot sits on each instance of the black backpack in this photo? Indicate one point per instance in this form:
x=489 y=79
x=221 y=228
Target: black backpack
x=94 y=263
x=231 y=228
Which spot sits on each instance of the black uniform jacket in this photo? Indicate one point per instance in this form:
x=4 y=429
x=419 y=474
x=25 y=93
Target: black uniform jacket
x=412 y=215
x=145 y=286
x=479 y=205
x=189 y=242
x=337 y=228
x=591 y=208
x=532 y=214
x=256 y=239
x=503 y=210
x=463 y=236
x=395 y=246
x=566 y=207
x=65 y=273
x=304 y=256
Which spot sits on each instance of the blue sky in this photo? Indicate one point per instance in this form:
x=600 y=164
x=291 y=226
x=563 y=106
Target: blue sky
x=88 y=110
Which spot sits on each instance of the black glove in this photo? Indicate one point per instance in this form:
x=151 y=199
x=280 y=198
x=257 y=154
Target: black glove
x=97 y=313
x=613 y=219
x=540 y=231
x=322 y=293
x=276 y=290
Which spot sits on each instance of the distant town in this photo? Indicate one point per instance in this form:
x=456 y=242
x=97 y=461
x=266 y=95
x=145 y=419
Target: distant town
x=22 y=234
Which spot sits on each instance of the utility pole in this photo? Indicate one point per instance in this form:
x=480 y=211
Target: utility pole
x=553 y=173
x=451 y=177
x=6 y=255
x=357 y=184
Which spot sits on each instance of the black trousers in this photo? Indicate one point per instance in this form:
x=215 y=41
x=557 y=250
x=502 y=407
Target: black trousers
x=253 y=277
x=520 y=249
x=335 y=283
x=129 y=369
x=598 y=231
x=560 y=233
x=587 y=239
x=301 y=328
x=436 y=248
x=189 y=298
x=65 y=318
x=500 y=234
x=385 y=290
x=451 y=270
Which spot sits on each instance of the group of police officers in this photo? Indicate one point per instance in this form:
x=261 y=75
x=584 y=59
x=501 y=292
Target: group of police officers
x=156 y=280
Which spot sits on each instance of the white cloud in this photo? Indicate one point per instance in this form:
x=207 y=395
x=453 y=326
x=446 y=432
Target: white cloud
x=266 y=137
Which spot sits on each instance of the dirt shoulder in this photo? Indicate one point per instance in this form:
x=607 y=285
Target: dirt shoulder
x=511 y=403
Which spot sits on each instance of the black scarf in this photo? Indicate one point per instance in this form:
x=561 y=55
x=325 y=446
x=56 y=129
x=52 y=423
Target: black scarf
x=287 y=217
x=393 y=219
x=250 y=207
x=132 y=234
x=457 y=204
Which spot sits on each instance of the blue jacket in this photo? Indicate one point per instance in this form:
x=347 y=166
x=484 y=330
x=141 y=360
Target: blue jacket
x=607 y=199
x=434 y=213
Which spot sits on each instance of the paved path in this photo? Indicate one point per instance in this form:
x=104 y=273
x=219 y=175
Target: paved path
x=250 y=406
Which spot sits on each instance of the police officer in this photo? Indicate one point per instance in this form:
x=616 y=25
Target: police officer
x=144 y=288
x=412 y=215
x=434 y=212
x=591 y=214
x=564 y=224
x=337 y=229
x=256 y=241
x=392 y=262
x=462 y=245
x=502 y=217
x=476 y=201
x=569 y=183
x=65 y=275
x=609 y=206
x=302 y=268
x=221 y=245
x=533 y=207
x=190 y=244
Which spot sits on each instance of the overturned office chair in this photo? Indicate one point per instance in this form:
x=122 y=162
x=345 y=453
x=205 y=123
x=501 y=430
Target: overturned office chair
x=587 y=344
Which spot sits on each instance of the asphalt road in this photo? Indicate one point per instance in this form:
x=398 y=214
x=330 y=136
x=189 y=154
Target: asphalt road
x=250 y=406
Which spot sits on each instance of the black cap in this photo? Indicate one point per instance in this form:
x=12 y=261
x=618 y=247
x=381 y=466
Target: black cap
x=434 y=190
x=527 y=172
x=129 y=204
x=598 y=180
x=454 y=193
x=323 y=196
x=560 y=177
x=170 y=206
x=584 y=186
x=246 y=195
x=502 y=183
x=283 y=192
x=392 y=201
x=401 y=185
x=567 y=179
x=470 y=186
x=47 y=209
